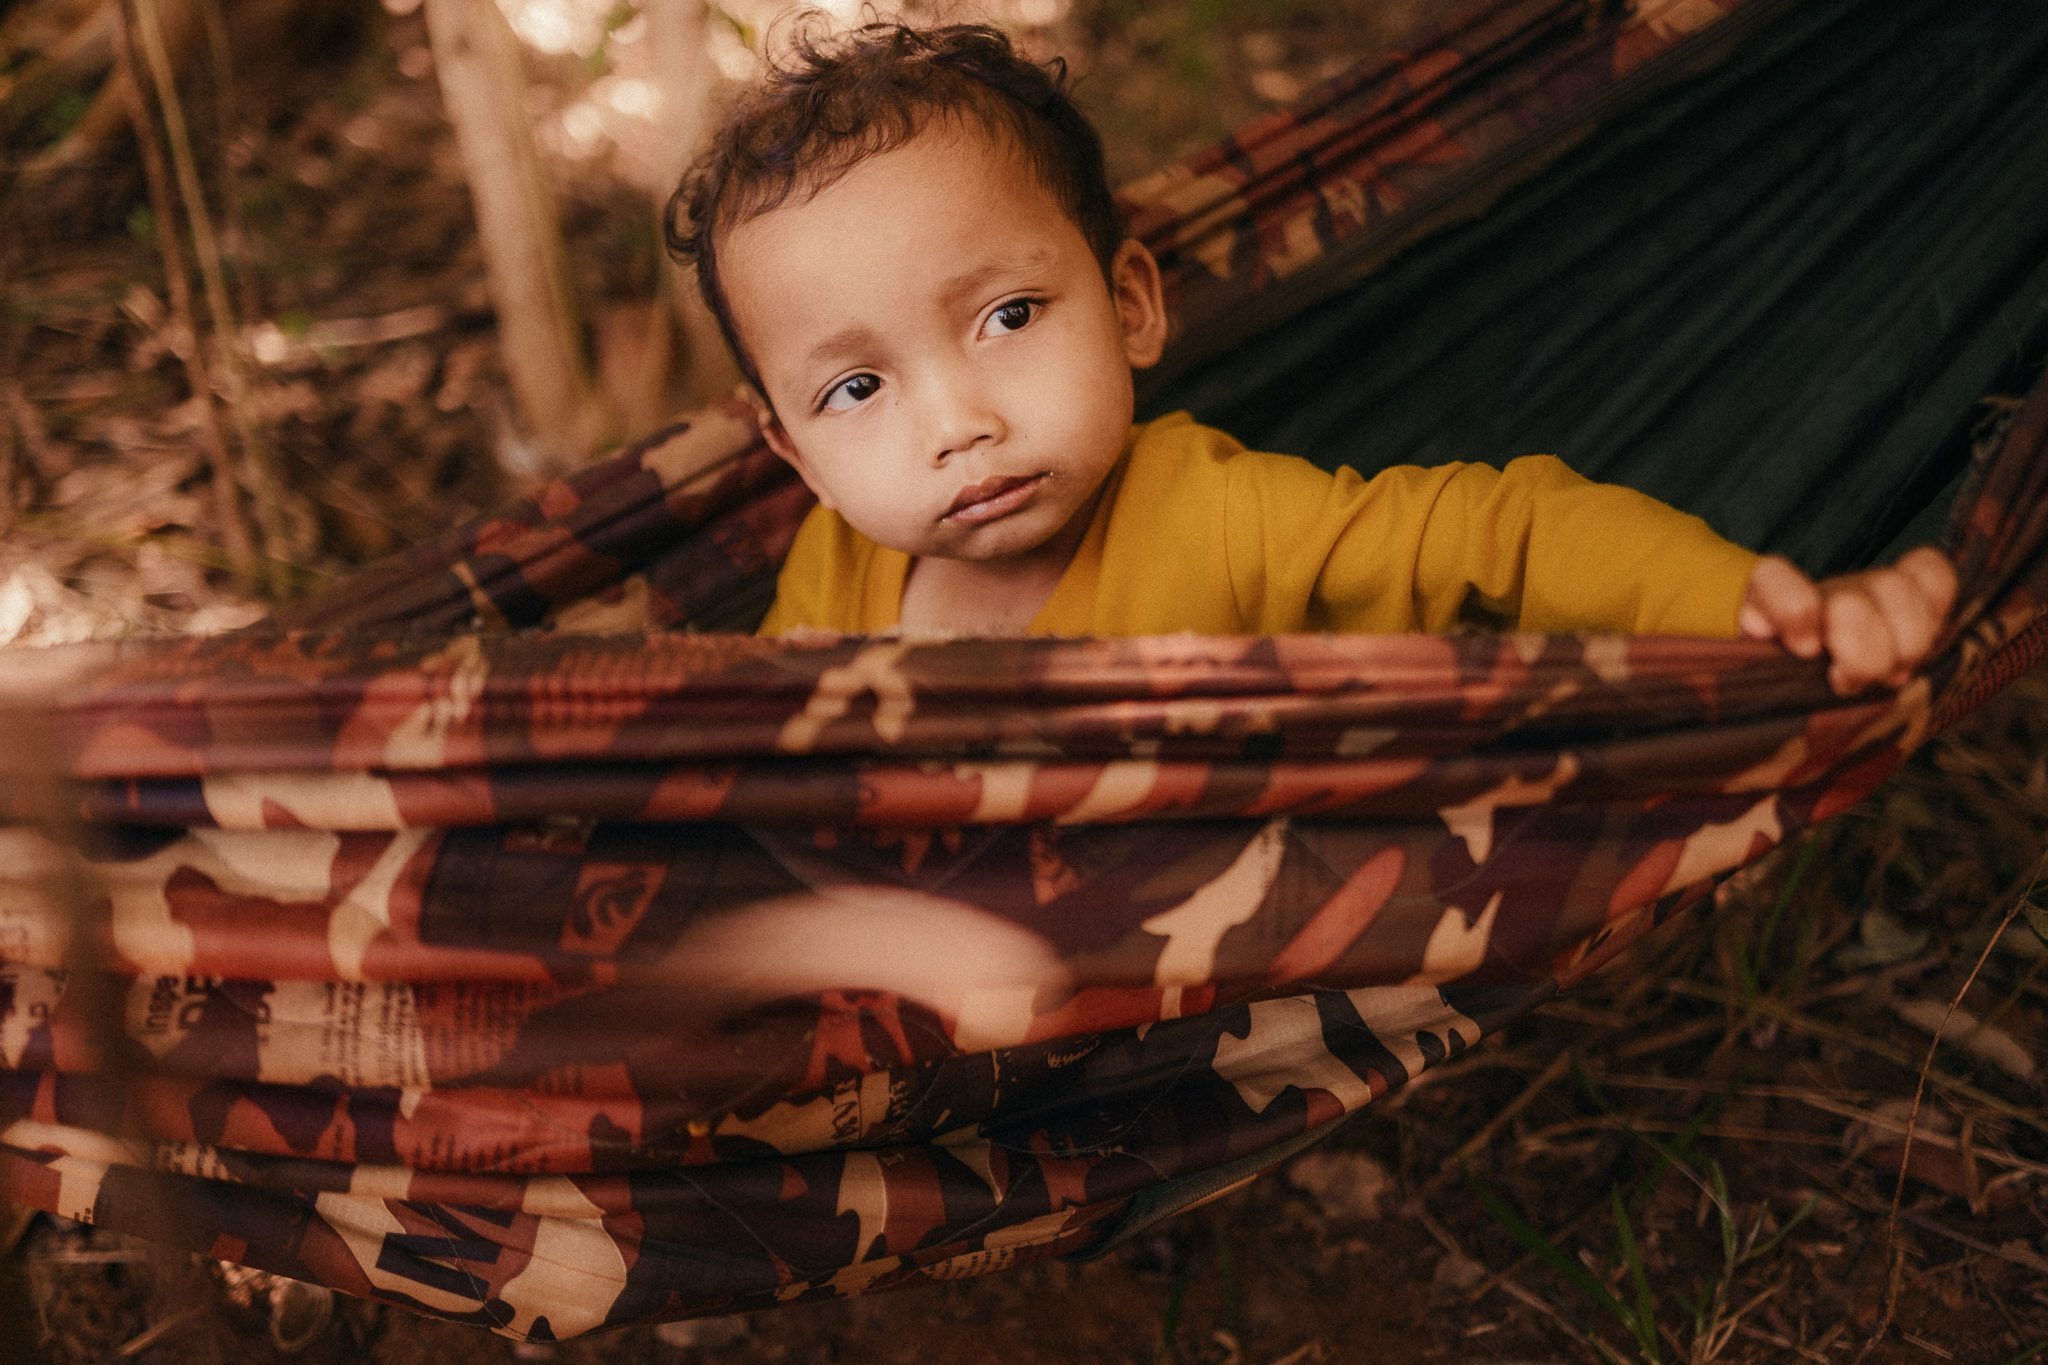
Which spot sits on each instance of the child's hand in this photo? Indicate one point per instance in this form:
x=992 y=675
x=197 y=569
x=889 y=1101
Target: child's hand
x=1876 y=625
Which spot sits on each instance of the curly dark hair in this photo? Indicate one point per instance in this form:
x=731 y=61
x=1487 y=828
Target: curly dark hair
x=832 y=101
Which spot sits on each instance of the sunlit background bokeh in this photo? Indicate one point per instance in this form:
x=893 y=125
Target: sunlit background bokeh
x=620 y=108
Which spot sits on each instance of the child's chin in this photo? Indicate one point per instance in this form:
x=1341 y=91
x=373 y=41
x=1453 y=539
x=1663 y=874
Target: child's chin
x=994 y=549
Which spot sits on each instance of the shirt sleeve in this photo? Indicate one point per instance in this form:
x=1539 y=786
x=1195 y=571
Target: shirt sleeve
x=1554 y=551
x=1533 y=547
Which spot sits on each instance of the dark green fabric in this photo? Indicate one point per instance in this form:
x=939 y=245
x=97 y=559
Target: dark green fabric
x=1774 y=295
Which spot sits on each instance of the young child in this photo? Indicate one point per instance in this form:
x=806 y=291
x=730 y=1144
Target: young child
x=909 y=241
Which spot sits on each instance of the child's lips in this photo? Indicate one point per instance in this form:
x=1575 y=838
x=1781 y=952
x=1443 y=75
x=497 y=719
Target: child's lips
x=993 y=498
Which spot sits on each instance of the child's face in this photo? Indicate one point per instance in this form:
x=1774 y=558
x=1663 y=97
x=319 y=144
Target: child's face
x=948 y=368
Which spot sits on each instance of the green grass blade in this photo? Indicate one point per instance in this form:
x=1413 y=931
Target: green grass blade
x=1645 y=1322
x=1549 y=1253
x=1770 y=1243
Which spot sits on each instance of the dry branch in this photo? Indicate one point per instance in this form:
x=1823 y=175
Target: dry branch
x=483 y=88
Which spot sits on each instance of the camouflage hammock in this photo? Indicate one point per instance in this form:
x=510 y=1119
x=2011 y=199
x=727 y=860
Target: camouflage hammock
x=505 y=937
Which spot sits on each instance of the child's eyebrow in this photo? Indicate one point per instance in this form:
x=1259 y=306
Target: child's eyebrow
x=847 y=339
x=972 y=281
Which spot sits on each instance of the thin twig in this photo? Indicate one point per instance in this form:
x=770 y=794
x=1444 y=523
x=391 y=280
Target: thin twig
x=2022 y=1257
x=1776 y=1136
x=227 y=118
x=1501 y=1280
x=1839 y=1108
x=1894 y=1273
x=235 y=537
x=1782 y=1342
x=1724 y=1328
x=1805 y=1023
x=1530 y=1300
x=1736 y=1090
x=1986 y=1294
x=142 y=1341
x=1478 y=1142
x=263 y=488
x=1678 y=1036
x=1891 y=1222
x=1607 y=1123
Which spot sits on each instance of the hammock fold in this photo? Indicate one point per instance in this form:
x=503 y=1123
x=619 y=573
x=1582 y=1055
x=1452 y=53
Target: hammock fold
x=503 y=935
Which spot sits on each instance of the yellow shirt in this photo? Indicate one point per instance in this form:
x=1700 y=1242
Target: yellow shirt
x=1194 y=532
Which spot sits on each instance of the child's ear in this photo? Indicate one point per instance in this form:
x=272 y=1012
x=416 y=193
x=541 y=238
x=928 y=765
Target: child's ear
x=777 y=437
x=1140 y=302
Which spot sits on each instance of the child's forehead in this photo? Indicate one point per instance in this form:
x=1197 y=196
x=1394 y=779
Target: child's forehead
x=936 y=220
x=970 y=150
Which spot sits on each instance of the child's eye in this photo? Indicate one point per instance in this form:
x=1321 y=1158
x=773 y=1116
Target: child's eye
x=850 y=392
x=1012 y=316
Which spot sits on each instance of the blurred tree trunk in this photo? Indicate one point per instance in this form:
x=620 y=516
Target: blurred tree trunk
x=483 y=87
x=679 y=33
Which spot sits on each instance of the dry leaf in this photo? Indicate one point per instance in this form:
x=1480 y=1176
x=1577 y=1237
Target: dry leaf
x=1985 y=1042
x=703 y=1334
x=1882 y=938
x=1887 y=1124
x=400 y=379
x=1941 y=1167
x=1349 y=1186
x=1455 y=1276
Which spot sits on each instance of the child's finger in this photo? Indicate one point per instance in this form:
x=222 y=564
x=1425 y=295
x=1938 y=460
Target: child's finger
x=1858 y=642
x=1931 y=570
x=1784 y=604
x=1909 y=615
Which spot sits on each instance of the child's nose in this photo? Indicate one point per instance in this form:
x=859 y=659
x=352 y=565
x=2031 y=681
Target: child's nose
x=962 y=415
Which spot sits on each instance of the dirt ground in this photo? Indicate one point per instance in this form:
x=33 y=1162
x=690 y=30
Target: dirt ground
x=1694 y=1158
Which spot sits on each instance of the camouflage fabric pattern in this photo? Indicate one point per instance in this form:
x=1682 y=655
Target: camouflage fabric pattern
x=563 y=978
